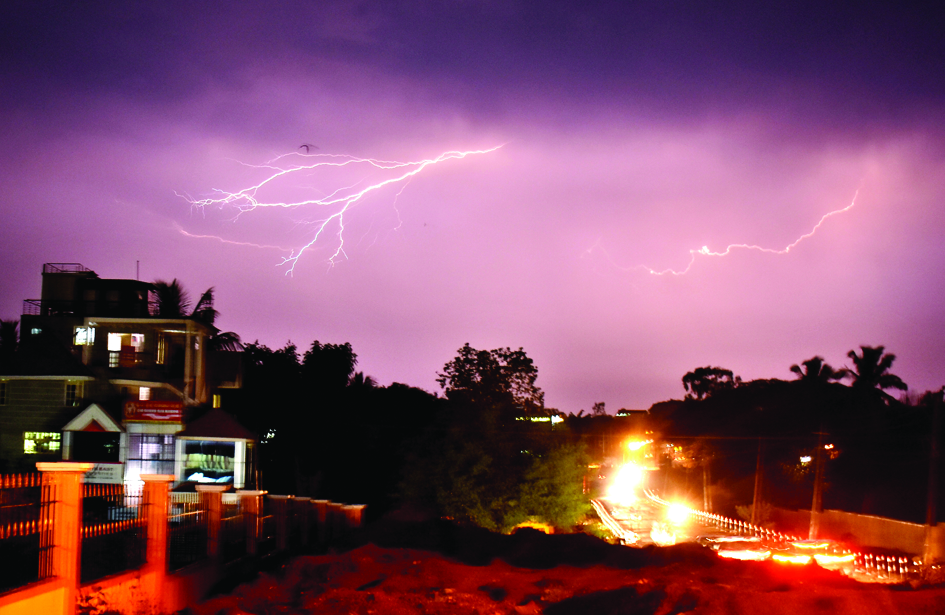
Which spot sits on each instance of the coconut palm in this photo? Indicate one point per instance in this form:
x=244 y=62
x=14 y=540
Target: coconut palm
x=871 y=369
x=816 y=370
x=173 y=301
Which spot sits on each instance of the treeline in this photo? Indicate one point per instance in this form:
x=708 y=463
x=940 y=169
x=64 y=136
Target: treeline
x=328 y=431
x=876 y=448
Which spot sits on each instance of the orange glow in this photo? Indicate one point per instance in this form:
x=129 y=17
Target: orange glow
x=827 y=560
x=745 y=554
x=788 y=558
x=810 y=545
x=677 y=514
x=623 y=490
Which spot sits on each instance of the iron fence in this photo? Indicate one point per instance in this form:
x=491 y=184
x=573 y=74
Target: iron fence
x=232 y=530
x=187 y=531
x=114 y=530
x=24 y=528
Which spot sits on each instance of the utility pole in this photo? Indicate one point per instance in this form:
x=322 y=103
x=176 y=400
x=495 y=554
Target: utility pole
x=706 y=497
x=817 y=506
x=756 y=502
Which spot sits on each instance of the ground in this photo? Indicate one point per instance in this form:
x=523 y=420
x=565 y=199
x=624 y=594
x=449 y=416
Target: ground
x=466 y=571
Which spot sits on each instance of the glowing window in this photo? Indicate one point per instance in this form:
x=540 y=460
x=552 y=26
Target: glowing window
x=35 y=331
x=41 y=442
x=144 y=393
x=84 y=336
x=114 y=342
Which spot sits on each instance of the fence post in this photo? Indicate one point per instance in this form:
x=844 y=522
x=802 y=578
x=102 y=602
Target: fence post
x=353 y=516
x=303 y=512
x=321 y=518
x=211 y=500
x=62 y=482
x=252 y=506
x=156 y=496
x=280 y=510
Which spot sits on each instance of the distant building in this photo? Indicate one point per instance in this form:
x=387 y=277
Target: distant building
x=99 y=377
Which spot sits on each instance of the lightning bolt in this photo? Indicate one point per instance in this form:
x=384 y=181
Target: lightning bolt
x=230 y=241
x=705 y=251
x=338 y=201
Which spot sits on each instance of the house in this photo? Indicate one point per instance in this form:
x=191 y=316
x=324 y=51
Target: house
x=99 y=377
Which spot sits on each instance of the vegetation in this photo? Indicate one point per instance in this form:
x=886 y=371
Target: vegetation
x=483 y=461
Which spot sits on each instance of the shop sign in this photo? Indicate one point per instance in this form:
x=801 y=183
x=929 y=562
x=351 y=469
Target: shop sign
x=105 y=473
x=154 y=411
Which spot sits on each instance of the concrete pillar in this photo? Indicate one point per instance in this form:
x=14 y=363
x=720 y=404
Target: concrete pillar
x=354 y=514
x=156 y=498
x=303 y=516
x=251 y=503
x=321 y=518
x=336 y=523
x=211 y=499
x=934 y=544
x=62 y=490
x=280 y=510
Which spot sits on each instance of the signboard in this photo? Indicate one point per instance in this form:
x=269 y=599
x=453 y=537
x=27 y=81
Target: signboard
x=105 y=473
x=148 y=411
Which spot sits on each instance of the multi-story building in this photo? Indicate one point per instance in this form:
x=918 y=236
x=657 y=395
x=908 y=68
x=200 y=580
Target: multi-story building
x=99 y=377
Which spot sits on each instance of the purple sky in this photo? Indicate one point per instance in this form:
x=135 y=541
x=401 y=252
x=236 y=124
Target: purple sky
x=629 y=136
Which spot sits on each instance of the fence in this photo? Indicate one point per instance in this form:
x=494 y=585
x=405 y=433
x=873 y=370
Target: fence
x=122 y=550
x=22 y=528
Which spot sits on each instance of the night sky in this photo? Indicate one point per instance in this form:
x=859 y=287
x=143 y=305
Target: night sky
x=632 y=135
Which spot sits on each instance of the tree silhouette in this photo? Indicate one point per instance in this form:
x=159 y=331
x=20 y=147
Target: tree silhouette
x=9 y=340
x=817 y=371
x=173 y=301
x=871 y=369
x=702 y=382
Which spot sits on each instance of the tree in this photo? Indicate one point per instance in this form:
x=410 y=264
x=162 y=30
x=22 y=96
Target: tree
x=9 y=341
x=599 y=409
x=494 y=378
x=815 y=370
x=871 y=369
x=173 y=301
x=329 y=367
x=703 y=382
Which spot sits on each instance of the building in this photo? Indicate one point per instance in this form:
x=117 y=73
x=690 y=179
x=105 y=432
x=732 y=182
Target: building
x=98 y=376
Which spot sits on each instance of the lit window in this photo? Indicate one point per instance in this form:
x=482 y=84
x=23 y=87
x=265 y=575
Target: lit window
x=72 y=394
x=84 y=336
x=161 y=349
x=114 y=342
x=144 y=393
x=35 y=331
x=137 y=341
x=41 y=442
x=216 y=400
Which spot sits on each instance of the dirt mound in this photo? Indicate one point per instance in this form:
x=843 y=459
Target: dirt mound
x=469 y=571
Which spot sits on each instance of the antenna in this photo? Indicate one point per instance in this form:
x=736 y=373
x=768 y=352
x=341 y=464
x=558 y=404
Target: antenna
x=138 y=270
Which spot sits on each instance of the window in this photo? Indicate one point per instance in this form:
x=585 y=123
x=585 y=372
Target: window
x=84 y=336
x=149 y=454
x=3 y=393
x=212 y=462
x=73 y=393
x=125 y=349
x=41 y=442
x=144 y=393
x=161 y=349
x=35 y=331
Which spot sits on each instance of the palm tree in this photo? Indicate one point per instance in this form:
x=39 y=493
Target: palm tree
x=816 y=370
x=871 y=369
x=174 y=302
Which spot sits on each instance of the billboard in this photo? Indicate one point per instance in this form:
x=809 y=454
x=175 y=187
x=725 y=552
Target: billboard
x=148 y=411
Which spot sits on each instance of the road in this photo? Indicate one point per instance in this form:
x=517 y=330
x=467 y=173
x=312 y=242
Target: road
x=647 y=522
